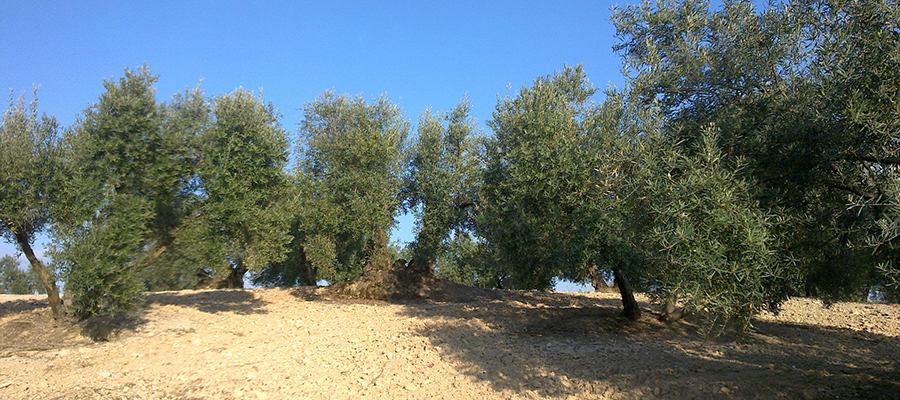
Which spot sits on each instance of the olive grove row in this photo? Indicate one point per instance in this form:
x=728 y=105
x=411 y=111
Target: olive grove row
x=752 y=156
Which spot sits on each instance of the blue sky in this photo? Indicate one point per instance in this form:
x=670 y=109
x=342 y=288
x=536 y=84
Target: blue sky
x=419 y=53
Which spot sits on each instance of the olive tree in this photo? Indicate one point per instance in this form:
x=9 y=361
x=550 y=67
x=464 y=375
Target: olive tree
x=441 y=180
x=29 y=170
x=120 y=184
x=552 y=199
x=710 y=246
x=805 y=93
x=242 y=158
x=348 y=181
x=535 y=178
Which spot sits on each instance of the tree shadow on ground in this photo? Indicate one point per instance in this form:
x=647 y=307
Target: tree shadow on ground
x=26 y=324
x=32 y=328
x=238 y=301
x=558 y=346
x=24 y=304
x=103 y=327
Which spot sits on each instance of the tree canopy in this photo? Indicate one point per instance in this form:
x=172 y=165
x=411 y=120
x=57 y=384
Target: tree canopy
x=441 y=180
x=751 y=156
x=349 y=178
x=30 y=164
x=804 y=93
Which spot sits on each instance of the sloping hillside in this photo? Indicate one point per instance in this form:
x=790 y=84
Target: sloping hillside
x=478 y=344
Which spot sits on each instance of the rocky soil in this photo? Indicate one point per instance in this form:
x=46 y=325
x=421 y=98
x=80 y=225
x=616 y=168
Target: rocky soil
x=473 y=344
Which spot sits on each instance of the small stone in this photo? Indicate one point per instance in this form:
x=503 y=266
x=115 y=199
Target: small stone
x=411 y=387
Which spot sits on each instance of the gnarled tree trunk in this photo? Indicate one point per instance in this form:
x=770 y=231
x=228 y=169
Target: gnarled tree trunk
x=630 y=308
x=383 y=280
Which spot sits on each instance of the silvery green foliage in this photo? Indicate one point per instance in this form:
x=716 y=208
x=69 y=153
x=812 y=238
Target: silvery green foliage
x=554 y=187
x=441 y=179
x=117 y=178
x=804 y=92
x=468 y=262
x=30 y=158
x=348 y=179
x=713 y=249
x=243 y=154
x=162 y=196
x=536 y=179
x=29 y=161
x=13 y=280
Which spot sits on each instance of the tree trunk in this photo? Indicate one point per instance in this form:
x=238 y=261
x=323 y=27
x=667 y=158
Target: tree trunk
x=235 y=278
x=309 y=271
x=630 y=310
x=383 y=280
x=154 y=257
x=56 y=306
x=310 y=274
x=377 y=256
x=597 y=280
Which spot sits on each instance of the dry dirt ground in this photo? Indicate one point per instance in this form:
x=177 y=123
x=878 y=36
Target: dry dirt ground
x=292 y=344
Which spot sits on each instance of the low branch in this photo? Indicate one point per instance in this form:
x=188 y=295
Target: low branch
x=856 y=191
x=873 y=159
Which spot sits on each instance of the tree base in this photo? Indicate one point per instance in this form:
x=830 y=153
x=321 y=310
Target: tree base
x=630 y=307
x=400 y=281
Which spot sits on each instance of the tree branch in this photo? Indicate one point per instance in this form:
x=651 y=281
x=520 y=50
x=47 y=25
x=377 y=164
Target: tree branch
x=857 y=191
x=464 y=205
x=874 y=159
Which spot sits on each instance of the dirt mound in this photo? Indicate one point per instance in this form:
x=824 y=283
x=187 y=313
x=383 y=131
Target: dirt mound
x=459 y=343
x=405 y=281
x=398 y=281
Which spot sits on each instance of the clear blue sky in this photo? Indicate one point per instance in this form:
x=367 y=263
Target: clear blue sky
x=421 y=53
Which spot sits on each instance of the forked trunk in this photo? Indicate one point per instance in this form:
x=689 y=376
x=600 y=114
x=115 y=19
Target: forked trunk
x=630 y=308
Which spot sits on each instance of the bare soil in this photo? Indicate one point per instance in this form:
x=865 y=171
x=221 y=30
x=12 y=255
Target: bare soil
x=463 y=344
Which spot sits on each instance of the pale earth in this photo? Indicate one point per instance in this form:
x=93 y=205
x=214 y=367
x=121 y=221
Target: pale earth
x=468 y=344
